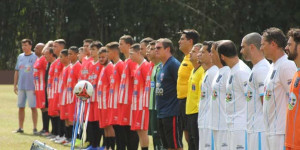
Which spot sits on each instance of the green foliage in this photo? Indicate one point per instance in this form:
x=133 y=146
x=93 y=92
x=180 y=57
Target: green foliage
x=75 y=20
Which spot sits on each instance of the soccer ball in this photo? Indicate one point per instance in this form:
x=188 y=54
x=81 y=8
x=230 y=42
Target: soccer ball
x=83 y=90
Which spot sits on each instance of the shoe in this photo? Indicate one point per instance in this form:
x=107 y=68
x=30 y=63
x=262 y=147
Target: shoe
x=91 y=148
x=55 y=138
x=60 y=140
x=67 y=142
x=50 y=136
x=41 y=132
x=19 y=131
x=46 y=134
x=101 y=148
x=35 y=132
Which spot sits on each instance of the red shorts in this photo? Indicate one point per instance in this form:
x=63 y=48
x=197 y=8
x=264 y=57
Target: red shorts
x=140 y=119
x=113 y=116
x=56 y=102
x=104 y=118
x=93 y=114
x=40 y=99
x=125 y=114
x=71 y=111
x=51 y=108
x=63 y=112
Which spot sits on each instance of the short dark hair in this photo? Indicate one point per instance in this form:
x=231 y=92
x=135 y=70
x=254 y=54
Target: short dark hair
x=127 y=39
x=166 y=43
x=102 y=50
x=97 y=44
x=136 y=47
x=80 y=49
x=276 y=35
x=74 y=49
x=146 y=40
x=227 y=48
x=295 y=34
x=27 y=41
x=191 y=34
x=208 y=44
x=113 y=46
x=64 y=52
x=152 y=42
x=51 y=51
x=87 y=41
x=61 y=42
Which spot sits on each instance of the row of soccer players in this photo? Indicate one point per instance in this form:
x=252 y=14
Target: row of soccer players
x=234 y=101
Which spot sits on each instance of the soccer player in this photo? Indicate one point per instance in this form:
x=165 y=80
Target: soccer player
x=166 y=96
x=86 y=50
x=205 y=111
x=255 y=90
x=62 y=90
x=139 y=110
x=130 y=137
x=188 y=38
x=93 y=130
x=153 y=127
x=236 y=103
x=277 y=85
x=81 y=54
x=144 y=43
x=73 y=77
x=24 y=84
x=218 y=118
x=103 y=97
x=292 y=140
x=113 y=106
x=193 y=97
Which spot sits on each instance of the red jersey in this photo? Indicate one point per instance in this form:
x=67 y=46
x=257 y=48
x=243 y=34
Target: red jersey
x=114 y=92
x=40 y=66
x=94 y=71
x=62 y=87
x=85 y=68
x=292 y=134
x=50 y=86
x=73 y=78
x=86 y=59
x=146 y=96
x=104 y=85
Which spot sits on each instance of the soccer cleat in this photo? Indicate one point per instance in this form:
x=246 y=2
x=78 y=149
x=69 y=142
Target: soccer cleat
x=35 y=132
x=60 y=140
x=19 y=131
x=55 y=138
x=46 y=134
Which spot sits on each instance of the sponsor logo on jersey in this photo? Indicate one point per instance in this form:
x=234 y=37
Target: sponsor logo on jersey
x=268 y=95
x=292 y=101
x=228 y=97
x=219 y=77
x=214 y=95
x=249 y=95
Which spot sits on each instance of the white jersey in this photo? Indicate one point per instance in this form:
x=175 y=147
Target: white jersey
x=254 y=91
x=204 y=113
x=218 y=112
x=276 y=95
x=235 y=97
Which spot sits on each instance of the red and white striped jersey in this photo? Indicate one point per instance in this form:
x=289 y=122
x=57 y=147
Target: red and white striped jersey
x=115 y=84
x=62 y=86
x=104 y=85
x=146 y=96
x=50 y=86
x=57 y=71
x=73 y=78
x=94 y=71
x=85 y=69
x=39 y=73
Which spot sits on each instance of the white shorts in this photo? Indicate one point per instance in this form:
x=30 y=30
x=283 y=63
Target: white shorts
x=220 y=140
x=24 y=95
x=237 y=140
x=275 y=142
x=256 y=140
x=206 y=140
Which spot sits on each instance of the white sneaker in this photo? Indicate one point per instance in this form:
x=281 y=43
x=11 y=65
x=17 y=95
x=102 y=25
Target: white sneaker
x=55 y=138
x=60 y=140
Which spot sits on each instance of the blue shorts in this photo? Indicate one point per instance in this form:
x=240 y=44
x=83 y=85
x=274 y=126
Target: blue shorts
x=24 y=95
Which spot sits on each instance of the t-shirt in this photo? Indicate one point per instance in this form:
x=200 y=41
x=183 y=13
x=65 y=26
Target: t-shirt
x=126 y=84
x=204 y=114
x=236 y=103
x=39 y=74
x=165 y=92
x=73 y=78
x=25 y=68
x=152 y=104
x=139 y=86
x=146 y=95
x=115 y=84
x=194 y=91
x=254 y=91
x=277 y=86
x=184 y=73
x=104 y=85
x=62 y=87
x=218 y=106
x=94 y=71
x=292 y=134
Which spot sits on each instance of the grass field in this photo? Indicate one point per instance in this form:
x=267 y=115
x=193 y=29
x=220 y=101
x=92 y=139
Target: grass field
x=9 y=123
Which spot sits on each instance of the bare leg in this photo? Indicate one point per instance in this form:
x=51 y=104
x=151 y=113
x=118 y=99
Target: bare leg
x=144 y=139
x=34 y=117
x=21 y=117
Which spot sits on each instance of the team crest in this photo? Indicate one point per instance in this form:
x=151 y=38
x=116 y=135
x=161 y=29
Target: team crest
x=203 y=95
x=268 y=95
x=214 y=95
x=249 y=95
x=292 y=101
x=228 y=97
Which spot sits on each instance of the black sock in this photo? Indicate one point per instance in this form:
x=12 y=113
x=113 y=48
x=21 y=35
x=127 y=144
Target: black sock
x=106 y=142
x=56 y=125
x=53 y=126
x=111 y=142
x=70 y=132
x=46 y=119
x=144 y=148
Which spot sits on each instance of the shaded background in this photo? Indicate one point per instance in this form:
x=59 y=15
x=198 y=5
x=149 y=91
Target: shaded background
x=75 y=20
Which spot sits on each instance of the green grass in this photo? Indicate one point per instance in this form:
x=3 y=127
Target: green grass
x=9 y=123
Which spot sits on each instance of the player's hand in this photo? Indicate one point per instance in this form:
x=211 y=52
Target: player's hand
x=16 y=90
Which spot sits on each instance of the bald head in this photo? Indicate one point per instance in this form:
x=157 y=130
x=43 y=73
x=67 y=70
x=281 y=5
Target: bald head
x=38 y=49
x=253 y=38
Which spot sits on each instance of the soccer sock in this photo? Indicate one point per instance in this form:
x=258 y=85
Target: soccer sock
x=70 y=131
x=47 y=119
x=101 y=134
x=111 y=141
x=44 y=120
x=53 y=125
x=56 y=125
x=61 y=127
x=106 y=142
x=144 y=148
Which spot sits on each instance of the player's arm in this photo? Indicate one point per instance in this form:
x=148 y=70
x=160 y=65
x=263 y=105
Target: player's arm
x=16 y=81
x=286 y=75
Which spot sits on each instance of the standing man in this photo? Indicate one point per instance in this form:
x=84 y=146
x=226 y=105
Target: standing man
x=188 y=38
x=235 y=95
x=205 y=111
x=24 y=84
x=86 y=50
x=255 y=90
x=277 y=86
x=167 y=103
x=193 y=97
x=144 y=43
x=292 y=139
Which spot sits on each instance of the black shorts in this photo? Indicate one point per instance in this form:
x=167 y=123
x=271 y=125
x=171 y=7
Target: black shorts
x=182 y=115
x=169 y=132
